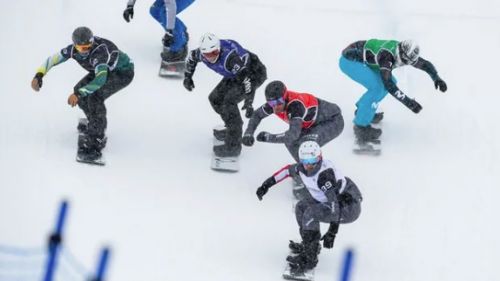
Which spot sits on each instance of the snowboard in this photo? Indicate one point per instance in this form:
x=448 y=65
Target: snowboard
x=290 y=274
x=172 y=69
x=225 y=164
x=80 y=155
x=367 y=148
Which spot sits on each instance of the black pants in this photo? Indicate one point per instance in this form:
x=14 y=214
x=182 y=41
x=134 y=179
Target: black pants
x=309 y=212
x=229 y=92
x=93 y=105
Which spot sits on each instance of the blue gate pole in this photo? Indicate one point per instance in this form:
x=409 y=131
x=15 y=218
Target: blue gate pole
x=347 y=265
x=102 y=265
x=54 y=243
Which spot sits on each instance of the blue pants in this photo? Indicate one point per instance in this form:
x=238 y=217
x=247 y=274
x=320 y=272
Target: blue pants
x=372 y=81
x=158 y=12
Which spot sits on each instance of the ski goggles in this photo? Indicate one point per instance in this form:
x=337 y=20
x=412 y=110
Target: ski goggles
x=211 y=56
x=310 y=161
x=276 y=102
x=83 y=48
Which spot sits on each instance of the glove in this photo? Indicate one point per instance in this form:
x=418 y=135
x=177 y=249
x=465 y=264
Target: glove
x=55 y=239
x=248 y=107
x=247 y=140
x=413 y=105
x=247 y=84
x=261 y=191
x=328 y=240
x=440 y=84
x=188 y=83
x=345 y=199
x=263 y=136
x=168 y=38
x=128 y=13
x=37 y=81
x=329 y=236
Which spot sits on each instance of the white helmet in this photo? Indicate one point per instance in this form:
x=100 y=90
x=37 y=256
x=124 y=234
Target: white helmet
x=209 y=43
x=409 y=51
x=309 y=152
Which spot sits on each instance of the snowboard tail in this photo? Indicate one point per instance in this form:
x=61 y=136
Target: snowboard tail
x=367 y=148
x=291 y=274
x=82 y=157
x=172 y=69
x=227 y=164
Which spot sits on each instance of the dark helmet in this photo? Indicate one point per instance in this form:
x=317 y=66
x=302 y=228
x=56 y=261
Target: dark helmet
x=275 y=90
x=83 y=36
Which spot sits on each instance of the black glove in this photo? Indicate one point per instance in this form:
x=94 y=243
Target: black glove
x=261 y=191
x=128 y=13
x=412 y=104
x=263 y=136
x=188 y=83
x=247 y=106
x=440 y=84
x=54 y=240
x=345 y=199
x=328 y=240
x=248 y=140
x=329 y=237
x=168 y=38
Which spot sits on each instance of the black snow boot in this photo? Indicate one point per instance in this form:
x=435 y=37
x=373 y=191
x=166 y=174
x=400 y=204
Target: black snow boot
x=100 y=142
x=308 y=258
x=89 y=147
x=169 y=56
x=296 y=247
x=90 y=155
x=367 y=134
x=226 y=150
x=220 y=134
x=93 y=142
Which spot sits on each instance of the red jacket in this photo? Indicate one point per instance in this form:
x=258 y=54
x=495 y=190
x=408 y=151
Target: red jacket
x=301 y=105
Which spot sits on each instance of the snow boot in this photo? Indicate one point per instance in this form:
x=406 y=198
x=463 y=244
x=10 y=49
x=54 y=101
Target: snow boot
x=170 y=57
x=220 y=135
x=90 y=147
x=226 y=150
x=296 y=247
x=367 y=134
x=308 y=258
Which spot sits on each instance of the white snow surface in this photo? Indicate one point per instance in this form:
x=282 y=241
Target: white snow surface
x=430 y=209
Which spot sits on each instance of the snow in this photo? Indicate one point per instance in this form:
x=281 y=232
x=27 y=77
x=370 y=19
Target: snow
x=430 y=200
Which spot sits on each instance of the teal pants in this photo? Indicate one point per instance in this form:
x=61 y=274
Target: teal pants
x=375 y=90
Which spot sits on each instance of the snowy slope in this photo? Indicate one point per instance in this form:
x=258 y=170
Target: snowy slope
x=430 y=201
